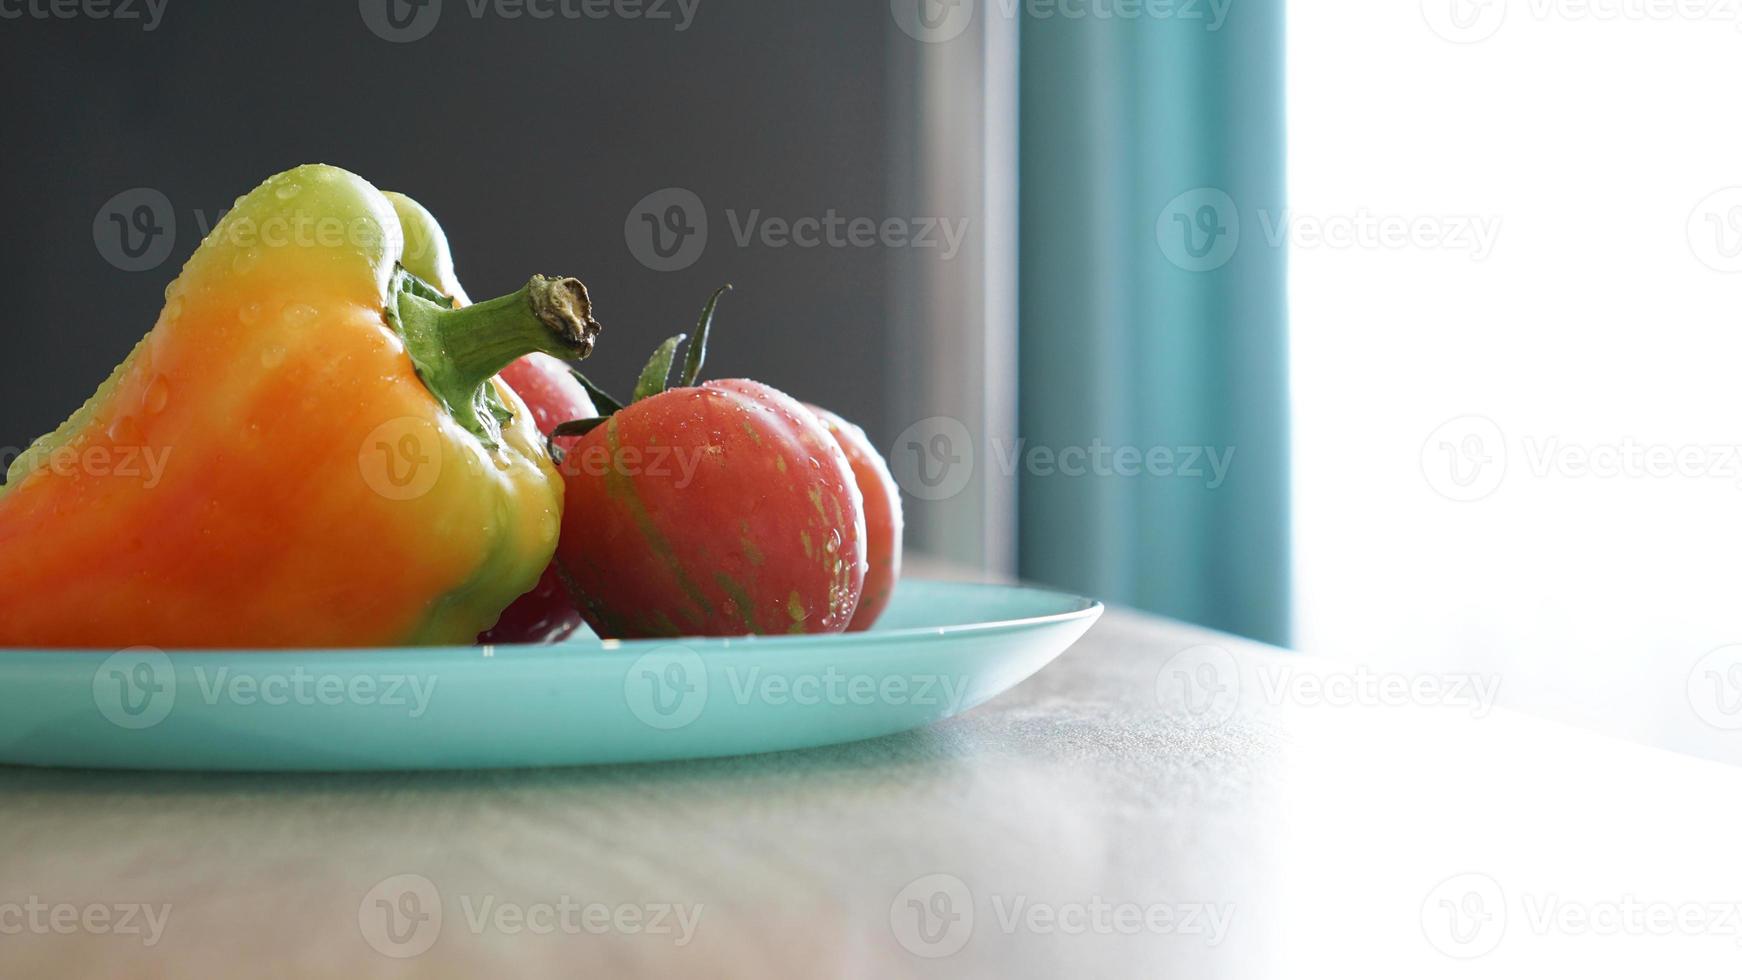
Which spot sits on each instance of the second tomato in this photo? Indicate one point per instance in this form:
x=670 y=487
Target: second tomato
x=717 y=509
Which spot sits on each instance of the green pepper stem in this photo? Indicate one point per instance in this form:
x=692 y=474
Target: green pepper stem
x=456 y=351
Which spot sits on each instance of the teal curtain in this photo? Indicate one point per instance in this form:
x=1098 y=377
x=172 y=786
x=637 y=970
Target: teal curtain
x=1153 y=313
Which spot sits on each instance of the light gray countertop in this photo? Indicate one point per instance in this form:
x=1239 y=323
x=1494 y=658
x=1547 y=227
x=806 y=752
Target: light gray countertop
x=1110 y=817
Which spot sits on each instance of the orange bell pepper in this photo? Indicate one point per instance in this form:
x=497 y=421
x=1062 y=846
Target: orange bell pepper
x=309 y=448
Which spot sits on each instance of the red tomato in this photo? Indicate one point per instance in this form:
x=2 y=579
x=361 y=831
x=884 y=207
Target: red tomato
x=715 y=510
x=882 y=516
x=546 y=614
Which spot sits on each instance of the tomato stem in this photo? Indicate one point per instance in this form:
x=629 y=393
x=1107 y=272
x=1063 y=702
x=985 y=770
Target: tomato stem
x=658 y=370
x=655 y=376
x=698 y=349
x=602 y=400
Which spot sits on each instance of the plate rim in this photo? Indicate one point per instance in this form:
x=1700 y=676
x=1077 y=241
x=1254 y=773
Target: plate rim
x=1086 y=608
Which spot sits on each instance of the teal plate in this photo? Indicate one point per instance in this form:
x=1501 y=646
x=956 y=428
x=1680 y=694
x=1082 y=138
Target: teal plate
x=940 y=649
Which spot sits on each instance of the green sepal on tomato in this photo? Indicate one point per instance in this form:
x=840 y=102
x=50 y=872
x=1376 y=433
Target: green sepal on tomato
x=715 y=509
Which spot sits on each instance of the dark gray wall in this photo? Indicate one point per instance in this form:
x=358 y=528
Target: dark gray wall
x=530 y=140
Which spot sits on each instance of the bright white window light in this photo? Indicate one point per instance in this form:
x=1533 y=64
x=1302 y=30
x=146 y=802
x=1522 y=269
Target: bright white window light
x=1516 y=289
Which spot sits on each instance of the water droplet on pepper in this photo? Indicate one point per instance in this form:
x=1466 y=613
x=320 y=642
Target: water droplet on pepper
x=124 y=430
x=157 y=395
x=299 y=314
